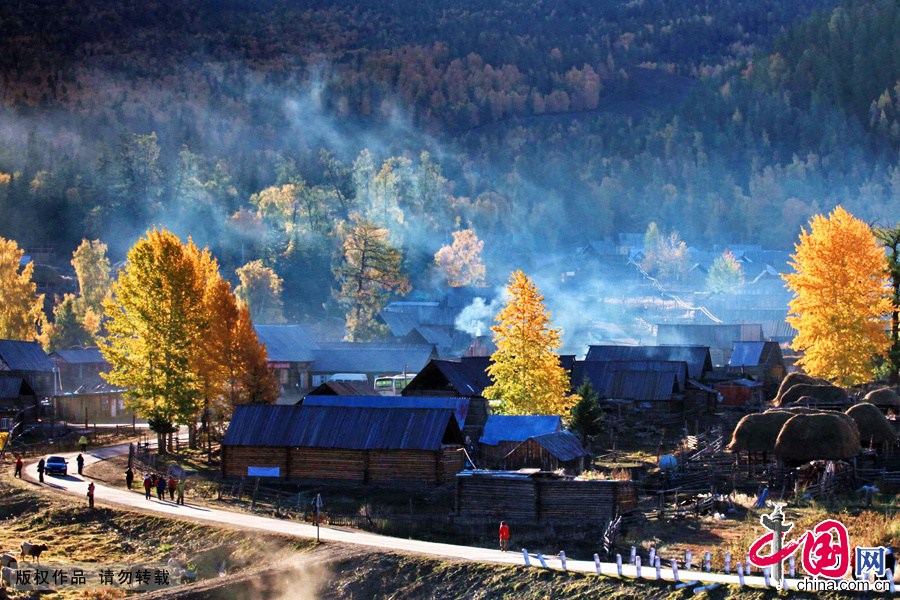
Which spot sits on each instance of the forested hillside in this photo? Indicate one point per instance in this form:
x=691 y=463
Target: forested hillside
x=261 y=126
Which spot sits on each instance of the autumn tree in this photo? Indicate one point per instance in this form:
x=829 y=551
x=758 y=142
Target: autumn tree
x=368 y=273
x=725 y=276
x=92 y=269
x=460 y=262
x=22 y=306
x=665 y=257
x=586 y=419
x=260 y=288
x=256 y=384
x=527 y=374
x=67 y=329
x=841 y=298
x=157 y=322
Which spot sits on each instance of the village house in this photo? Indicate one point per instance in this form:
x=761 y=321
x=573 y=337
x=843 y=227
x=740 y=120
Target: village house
x=28 y=361
x=291 y=353
x=762 y=361
x=18 y=403
x=697 y=358
x=718 y=337
x=367 y=361
x=356 y=445
x=344 y=388
x=549 y=452
x=82 y=395
x=504 y=433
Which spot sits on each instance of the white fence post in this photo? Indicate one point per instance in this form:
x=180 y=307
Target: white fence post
x=652 y=556
x=562 y=559
x=766 y=576
x=727 y=563
x=597 y=564
x=527 y=558
x=706 y=562
x=633 y=554
x=658 y=569
x=687 y=560
x=740 y=570
x=749 y=565
x=890 y=576
x=543 y=562
x=791 y=565
x=675 y=570
x=619 y=564
x=637 y=566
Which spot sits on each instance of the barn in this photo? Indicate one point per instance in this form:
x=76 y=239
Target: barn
x=549 y=452
x=343 y=444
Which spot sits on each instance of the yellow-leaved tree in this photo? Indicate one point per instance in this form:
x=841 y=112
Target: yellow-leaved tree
x=461 y=261
x=841 y=299
x=22 y=306
x=528 y=377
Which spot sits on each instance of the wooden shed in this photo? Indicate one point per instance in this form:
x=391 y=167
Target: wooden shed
x=549 y=452
x=529 y=495
x=343 y=444
x=763 y=361
x=504 y=433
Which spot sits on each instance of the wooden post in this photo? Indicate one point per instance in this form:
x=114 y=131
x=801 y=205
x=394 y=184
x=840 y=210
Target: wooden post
x=740 y=571
x=597 y=564
x=619 y=564
x=255 y=491
x=562 y=559
x=675 y=570
x=527 y=558
x=637 y=566
x=687 y=560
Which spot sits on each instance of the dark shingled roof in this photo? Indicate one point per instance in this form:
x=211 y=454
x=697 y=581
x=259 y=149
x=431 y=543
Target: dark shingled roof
x=459 y=406
x=697 y=358
x=680 y=369
x=80 y=356
x=350 y=357
x=342 y=427
x=344 y=388
x=465 y=378
x=563 y=445
x=518 y=428
x=287 y=343
x=640 y=386
x=13 y=387
x=24 y=356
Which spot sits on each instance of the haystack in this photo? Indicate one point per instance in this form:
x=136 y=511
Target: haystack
x=801 y=408
x=884 y=398
x=758 y=432
x=823 y=436
x=873 y=426
x=793 y=379
x=828 y=394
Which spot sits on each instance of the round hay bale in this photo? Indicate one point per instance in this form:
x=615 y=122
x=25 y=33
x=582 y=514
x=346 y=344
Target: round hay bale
x=883 y=398
x=822 y=436
x=873 y=426
x=757 y=432
x=799 y=409
x=829 y=394
x=793 y=379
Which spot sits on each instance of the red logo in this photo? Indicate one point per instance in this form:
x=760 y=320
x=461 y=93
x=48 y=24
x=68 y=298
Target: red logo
x=826 y=550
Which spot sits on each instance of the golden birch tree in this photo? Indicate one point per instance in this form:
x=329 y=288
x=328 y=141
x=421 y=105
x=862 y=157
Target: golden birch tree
x=528 y=377
x=460 y=262
x=841 y=304
x=22 y=306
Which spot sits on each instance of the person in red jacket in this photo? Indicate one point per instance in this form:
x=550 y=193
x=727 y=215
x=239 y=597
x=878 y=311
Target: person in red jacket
x=504 y=536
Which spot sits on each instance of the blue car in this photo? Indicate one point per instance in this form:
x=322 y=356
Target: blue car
x=56 y=464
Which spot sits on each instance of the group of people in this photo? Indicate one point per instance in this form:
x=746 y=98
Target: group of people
x=155 y=481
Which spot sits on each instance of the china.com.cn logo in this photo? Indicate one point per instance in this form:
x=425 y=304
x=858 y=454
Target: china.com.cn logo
x=826 y=554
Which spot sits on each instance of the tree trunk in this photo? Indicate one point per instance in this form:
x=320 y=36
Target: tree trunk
x=161 y=443
x=192 y=436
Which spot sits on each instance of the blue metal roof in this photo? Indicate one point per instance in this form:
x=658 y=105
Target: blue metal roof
x=746 y=354
x=286 y=343
x=624 y=384
x=697 y=357
x=14 y=387
x=341 y=427
x=24 y=356
x=459 y=406
x=80 y=356
x=350 y=357
x=518 y=428
x=680 y=369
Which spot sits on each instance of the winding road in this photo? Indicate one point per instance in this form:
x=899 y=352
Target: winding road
x=135 y=500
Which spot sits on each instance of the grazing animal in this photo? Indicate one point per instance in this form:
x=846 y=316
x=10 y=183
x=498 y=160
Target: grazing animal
x=8 y=560
x=33 y=550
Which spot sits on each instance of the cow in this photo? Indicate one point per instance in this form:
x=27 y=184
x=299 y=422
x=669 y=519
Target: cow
x=33 y=550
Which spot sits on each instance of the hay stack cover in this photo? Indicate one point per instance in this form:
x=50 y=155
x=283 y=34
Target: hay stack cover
x=822 y=436
x=872 y=424
x=758 y=432
x=793 y=379
x=827 y=393
x=885 y=397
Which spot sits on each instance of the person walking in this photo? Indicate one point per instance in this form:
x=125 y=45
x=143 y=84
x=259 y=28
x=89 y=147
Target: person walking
x=19 y=465
x=129 y=478
x=504 y=536
x=161 y=488
x=40 y=469
x=84 y=442
x=90 y=494
x=182 y=483
x=171 y=487
x=148 y=485
x=80 y=461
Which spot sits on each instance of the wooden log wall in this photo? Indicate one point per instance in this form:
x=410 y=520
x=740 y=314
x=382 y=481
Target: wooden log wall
x=236 y=459
x=327 y=463
x=452 y=462
x=543 y=499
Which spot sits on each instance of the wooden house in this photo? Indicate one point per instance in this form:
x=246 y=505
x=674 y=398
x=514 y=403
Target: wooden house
x=465 y=378
x=344 y=388
x=82 y=395
x=698 y=359
x=504 y=433
x=343 y=444
x=290 y=349
x=358 y=361
x=530 y=495
x=549 y=452
x=740 y=392
x=762 y=361
x=718 y=337
x=28 y=361
x=18 y=403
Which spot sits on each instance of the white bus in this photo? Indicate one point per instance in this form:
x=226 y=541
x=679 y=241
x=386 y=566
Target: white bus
x=392 y=386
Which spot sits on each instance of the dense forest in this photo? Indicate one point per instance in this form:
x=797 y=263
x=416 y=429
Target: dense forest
x=260 y=127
